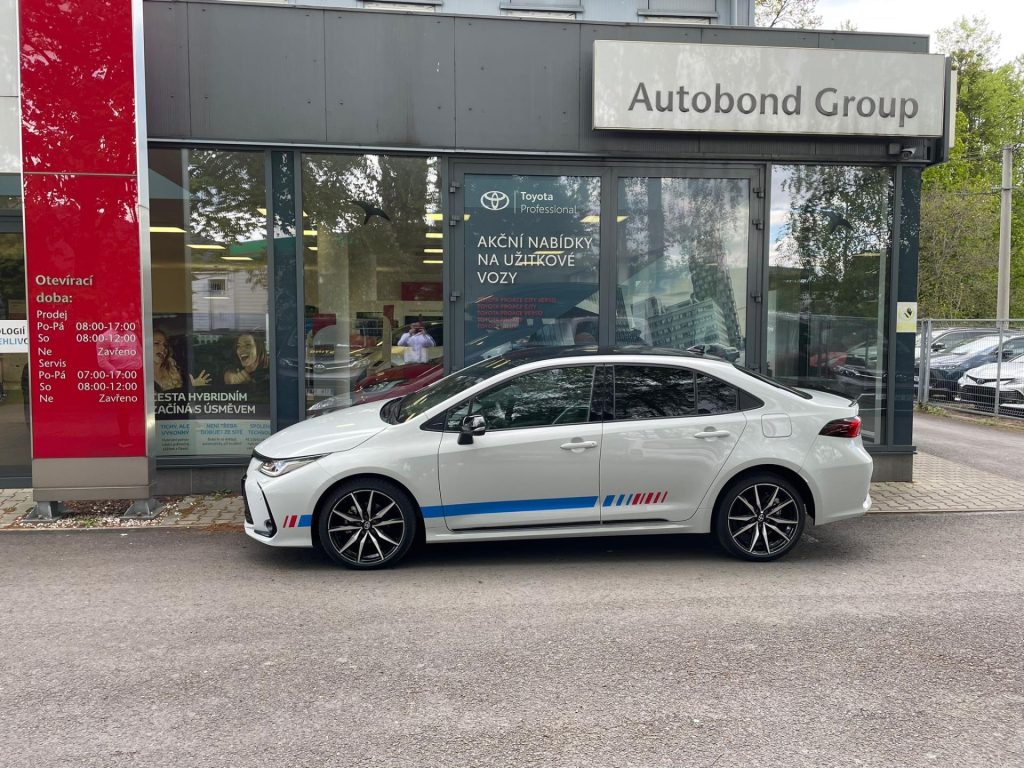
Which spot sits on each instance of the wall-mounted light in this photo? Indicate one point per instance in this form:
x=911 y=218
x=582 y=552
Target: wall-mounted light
x=202 y=247
x=168 y=230
x=433 y=261
x=433 y=250
x=237 y=258
x=309 y=232
x=435 y=235
x=435 y=217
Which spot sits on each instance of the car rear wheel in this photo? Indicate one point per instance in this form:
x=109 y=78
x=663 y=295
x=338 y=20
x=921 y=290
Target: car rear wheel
x=761 y=517
x=367 y=524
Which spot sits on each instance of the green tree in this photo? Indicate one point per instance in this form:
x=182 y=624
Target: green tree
x=959 y=209
x=802 y=14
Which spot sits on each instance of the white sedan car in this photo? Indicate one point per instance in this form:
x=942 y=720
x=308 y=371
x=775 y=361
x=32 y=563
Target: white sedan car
x=551 y=444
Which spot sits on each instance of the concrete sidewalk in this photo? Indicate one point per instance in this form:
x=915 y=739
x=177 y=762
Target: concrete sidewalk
x=940 y=485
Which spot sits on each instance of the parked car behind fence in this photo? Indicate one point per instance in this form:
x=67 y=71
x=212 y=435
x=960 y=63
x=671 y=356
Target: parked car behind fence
x=974 y=365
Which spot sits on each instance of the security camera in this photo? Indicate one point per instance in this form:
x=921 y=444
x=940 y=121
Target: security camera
x=908 y=153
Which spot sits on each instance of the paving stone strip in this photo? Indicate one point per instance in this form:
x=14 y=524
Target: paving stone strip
x=939 y=485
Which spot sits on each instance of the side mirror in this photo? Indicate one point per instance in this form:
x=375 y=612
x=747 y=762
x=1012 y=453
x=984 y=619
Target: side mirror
x=938 y=346
x=472 y=426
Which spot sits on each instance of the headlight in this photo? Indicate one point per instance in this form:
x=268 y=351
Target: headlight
x=278 y=467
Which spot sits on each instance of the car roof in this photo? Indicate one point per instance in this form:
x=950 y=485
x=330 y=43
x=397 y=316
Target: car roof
x=537 y=354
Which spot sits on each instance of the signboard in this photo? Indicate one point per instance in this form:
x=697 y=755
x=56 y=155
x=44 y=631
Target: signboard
x=643 y=86
x=13 y=336
x=906 y=317
x=85 y=313
x=83 y=180
x=211 y=389
x=532 y=252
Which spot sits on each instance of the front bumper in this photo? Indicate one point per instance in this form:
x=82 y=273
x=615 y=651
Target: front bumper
x=280 y=510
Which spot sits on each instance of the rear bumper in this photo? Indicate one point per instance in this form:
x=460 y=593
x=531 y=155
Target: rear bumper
x=839 y=470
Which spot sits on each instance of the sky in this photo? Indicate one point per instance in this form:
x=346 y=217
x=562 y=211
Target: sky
x=1006 y=18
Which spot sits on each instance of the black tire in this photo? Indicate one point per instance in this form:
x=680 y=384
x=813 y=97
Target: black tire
x=760 y=517
x=358 y=521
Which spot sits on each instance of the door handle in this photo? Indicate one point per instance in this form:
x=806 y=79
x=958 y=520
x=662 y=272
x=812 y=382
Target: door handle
x=713 y=433
x=577 y=445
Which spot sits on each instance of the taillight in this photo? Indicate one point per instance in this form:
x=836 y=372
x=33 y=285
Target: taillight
x=842 y=428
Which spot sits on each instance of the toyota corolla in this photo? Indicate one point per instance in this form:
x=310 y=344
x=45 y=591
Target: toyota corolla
x=571 y=442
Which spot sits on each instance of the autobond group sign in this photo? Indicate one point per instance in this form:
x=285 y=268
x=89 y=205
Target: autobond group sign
x=743 y=89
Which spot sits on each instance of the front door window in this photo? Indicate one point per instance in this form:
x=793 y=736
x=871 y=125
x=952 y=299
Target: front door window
x=537 y=463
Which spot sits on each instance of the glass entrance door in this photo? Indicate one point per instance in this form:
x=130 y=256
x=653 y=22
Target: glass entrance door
x=15 y=451
x=531 y=255
x=682 y=256
x=615 y=254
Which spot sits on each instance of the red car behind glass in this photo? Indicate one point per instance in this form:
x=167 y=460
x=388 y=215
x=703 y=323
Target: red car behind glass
x=396 y=382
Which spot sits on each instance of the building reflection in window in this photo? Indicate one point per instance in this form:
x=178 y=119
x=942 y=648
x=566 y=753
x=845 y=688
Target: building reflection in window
x=682 y=263
x=830 y=244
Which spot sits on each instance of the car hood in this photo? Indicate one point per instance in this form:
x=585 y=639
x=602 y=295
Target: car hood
x=1009 y=370
x=959 y=361
x=331 y=433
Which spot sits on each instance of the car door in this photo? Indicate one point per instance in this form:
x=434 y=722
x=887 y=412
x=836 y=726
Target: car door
x=670 y=433
x=538 y=461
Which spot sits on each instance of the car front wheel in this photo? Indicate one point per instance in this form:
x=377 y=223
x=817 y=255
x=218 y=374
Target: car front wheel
x=367 y=524
x=761 y=517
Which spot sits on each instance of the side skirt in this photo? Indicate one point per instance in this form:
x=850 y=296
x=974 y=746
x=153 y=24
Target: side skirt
x=566 y=532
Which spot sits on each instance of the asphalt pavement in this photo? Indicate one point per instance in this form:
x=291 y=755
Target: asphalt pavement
x=988 y=447
x=891 y=640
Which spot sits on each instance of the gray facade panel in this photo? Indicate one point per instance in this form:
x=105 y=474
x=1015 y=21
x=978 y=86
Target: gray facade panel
x=166 y=39
x=877 y=42
x=517 y=85
x=235 y=72
x=256 y=74
x=390 y=79
x=792 y=38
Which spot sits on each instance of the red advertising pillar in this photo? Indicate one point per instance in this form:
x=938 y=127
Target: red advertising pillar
x=86 y=249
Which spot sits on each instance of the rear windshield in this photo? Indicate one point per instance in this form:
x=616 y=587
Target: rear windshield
x=772 y=382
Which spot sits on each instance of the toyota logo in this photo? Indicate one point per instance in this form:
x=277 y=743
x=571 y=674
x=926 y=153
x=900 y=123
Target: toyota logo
x=494 y=200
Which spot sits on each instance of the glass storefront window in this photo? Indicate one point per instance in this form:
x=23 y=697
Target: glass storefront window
x=15 y=455
x=828 y=282
x=373 y=249
x=682 y=263
x=532 y=254
x=208 y=222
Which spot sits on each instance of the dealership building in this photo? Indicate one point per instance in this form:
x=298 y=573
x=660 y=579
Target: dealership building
x=219 y=218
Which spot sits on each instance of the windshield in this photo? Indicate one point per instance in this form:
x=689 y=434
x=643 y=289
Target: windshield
x=984 y=345
x=422 y=401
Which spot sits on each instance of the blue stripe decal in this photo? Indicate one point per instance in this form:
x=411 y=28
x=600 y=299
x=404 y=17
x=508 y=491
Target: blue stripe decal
x=305 y=521
x=619 y=502
x=608 y=501
x=519 y=505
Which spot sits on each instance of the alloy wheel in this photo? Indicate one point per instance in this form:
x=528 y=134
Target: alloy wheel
x=764 y=520
x=366 y=527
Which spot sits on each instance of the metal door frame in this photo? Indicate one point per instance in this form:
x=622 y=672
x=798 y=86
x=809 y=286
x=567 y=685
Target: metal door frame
x=455 y=170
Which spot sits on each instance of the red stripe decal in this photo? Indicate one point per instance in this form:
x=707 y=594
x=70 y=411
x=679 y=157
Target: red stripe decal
x=636 y=498
x=649 y=499
x=664 y=495
x=290 y=522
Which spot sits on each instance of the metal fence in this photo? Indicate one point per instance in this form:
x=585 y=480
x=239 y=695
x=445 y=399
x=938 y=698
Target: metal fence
x=972 y=365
